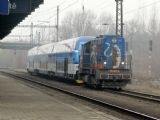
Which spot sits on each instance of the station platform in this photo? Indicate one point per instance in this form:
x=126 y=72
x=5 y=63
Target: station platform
x=21 y=102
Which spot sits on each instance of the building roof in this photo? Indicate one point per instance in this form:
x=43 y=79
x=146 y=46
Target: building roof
x=8 y=22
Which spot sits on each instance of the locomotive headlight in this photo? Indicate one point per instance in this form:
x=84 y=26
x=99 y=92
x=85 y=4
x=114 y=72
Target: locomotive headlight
x=105 y=63
x=122 y=63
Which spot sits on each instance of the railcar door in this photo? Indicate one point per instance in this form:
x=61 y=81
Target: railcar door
x=65 y=66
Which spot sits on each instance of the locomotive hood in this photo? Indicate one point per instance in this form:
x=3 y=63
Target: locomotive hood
x=113 y=52
x=108 y=52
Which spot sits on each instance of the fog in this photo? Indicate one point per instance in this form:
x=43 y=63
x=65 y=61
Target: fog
x=13 y=59
x=138 y=32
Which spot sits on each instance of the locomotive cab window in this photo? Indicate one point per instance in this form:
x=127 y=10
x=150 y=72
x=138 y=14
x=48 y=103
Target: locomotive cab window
x=87 y=48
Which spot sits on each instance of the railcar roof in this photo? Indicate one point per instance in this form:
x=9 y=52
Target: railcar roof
x=62 y=46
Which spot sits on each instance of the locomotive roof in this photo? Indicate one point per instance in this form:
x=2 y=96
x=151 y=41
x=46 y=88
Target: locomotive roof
x=101 y=36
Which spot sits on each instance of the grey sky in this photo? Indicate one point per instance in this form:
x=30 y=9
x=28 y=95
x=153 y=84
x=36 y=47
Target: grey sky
x=47 y=11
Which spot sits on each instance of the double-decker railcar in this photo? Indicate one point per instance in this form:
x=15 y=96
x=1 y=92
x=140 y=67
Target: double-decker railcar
x=57 y=59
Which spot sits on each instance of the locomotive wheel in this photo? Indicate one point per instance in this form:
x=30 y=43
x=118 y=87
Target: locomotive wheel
x=118 y=88
x=95 y=83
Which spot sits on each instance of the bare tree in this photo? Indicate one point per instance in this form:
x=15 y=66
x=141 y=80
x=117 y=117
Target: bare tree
x=153 y=30
x=78 y=24
x=153 y=23
x=106 y=24
x=66 y=28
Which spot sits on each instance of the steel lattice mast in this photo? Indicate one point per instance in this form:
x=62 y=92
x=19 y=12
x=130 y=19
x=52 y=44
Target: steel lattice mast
x=119 y=17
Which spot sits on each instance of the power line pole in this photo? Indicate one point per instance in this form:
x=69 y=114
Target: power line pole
x=83 y=8
x=119 y=17
x=57 y=23
x=150 y=58
x=38 y=38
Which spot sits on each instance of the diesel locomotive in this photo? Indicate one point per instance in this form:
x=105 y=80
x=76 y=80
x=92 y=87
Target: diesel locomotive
x=104 y=62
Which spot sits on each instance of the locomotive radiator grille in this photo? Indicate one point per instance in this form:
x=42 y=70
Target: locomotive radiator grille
x=115 y=76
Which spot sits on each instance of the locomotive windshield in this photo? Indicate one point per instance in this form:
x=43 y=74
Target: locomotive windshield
x=82 y=41
x=80 y=45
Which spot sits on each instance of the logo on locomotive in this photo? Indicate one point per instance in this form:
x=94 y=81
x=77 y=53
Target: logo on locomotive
x=115 y=54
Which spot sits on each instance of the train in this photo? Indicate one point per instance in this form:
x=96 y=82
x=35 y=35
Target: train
x=94 y=61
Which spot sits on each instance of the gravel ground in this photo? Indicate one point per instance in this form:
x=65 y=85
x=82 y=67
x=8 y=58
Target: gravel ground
x=146 y=86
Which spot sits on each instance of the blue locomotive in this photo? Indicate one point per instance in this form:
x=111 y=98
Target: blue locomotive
x=94 y=61
x=103 y=62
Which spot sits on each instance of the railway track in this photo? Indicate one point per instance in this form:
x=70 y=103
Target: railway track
x=139 y=95
x=99 y=102
x=143 y=96
x=149 y=97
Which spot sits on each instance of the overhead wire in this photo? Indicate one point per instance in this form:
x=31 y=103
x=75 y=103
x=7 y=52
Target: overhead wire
x=147 y=5
x=104 y=5
x=48 y=11
x=63 y=9
x=60 y=4
x=52 y=8
x=70 y=5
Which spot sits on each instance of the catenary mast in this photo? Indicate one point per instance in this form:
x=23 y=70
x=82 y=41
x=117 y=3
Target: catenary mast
x=119 y=17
